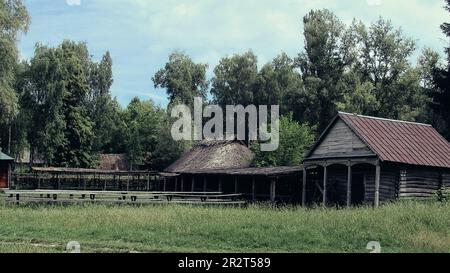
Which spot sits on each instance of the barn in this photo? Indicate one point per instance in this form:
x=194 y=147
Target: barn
x=361 y=159
x=5 y=170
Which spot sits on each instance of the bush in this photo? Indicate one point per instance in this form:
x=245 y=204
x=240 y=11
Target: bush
x=443 y=195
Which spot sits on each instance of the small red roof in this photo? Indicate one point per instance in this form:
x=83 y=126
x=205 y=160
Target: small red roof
x=401 y=141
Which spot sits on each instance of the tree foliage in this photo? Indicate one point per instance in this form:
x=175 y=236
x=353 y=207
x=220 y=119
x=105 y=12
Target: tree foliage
x=182 y=78
x=295 y=140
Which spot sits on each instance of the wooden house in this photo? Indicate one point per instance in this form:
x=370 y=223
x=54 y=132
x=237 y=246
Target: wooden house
x=5 y=170
x=360 y=159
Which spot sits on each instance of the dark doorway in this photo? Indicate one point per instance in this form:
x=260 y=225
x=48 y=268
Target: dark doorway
x=358 y=189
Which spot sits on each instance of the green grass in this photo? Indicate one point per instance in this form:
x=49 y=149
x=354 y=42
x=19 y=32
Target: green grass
x=399 y=227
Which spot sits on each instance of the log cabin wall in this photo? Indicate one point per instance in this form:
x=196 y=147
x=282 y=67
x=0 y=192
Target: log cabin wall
x=446 y=179
x=389 y=183
x=420 y=182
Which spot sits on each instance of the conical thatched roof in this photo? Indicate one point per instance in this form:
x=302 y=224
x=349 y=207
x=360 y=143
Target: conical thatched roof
x=208 y=155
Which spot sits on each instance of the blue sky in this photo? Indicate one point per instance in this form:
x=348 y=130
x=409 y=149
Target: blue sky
x=140 y=34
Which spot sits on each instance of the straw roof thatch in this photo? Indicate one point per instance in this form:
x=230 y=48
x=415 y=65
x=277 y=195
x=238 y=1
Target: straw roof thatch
x=208 y=155
x=114 y=162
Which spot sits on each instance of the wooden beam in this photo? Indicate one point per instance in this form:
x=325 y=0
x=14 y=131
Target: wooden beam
x=377 y=184
x=204 y=184
x=8 y=183
x=220 y=184
x=193 y=184
x=182 y=183
x=236 y=189
x=272 y=190
x=253 y=189
x=349 y=184
x=325 y=178
x=176 y=185
x=304 y=187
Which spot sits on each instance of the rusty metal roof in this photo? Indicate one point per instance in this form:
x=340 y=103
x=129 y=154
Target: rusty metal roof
x=401 y=141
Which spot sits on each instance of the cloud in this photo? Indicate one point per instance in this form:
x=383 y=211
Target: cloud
x=374 y=2
x=73 y=2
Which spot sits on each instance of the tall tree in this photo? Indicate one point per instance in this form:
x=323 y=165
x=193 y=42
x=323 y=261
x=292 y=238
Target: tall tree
x=103 y=110
x=279 y=83
x=142 y=121
x=56 y=100
x=182 y=78
x=328 y=51
x=234 y=80
x=14 y=19
x=441 y=98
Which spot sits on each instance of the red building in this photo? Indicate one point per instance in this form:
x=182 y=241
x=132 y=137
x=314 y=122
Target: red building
x=5 y=170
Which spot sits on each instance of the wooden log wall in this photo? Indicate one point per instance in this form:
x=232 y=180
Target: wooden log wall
x=446 y=179
x=416 y=182
x=389 y=183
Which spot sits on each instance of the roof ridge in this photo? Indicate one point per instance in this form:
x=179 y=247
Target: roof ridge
x=385 y=119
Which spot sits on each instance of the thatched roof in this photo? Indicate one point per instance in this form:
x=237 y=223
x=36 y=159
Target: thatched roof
x=114 y=162
x=208 y=155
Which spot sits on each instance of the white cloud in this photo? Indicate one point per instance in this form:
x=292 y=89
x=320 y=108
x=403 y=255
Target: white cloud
x=73 y=2
x=374 y=2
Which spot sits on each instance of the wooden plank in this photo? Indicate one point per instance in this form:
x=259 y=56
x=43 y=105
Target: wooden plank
x=253 y=189
x=349 y=184
x=304 y=187
x=325 y=178
x=377 y=185
x=272 y=190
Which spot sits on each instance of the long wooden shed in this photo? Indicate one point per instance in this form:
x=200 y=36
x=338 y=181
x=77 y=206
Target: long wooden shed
x=361 y=159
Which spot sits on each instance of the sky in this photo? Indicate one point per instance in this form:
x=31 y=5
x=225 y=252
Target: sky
x=140 y=34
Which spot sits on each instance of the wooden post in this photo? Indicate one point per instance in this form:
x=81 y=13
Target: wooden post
x=182 y=183
x=204 y=184
x=193 y=184
x=349 y=184
x=148 y=182
x=253 y=189
x=220 y=184
x=325 y=178
x=8 y=185
x=377 y=184
x=272 y=190
x=128 y=182
x=105 y=182
x=236 y=185
x=304 y=187
x=176 y=184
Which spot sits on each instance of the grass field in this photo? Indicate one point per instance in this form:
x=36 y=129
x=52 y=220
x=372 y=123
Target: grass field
x=401 y=227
